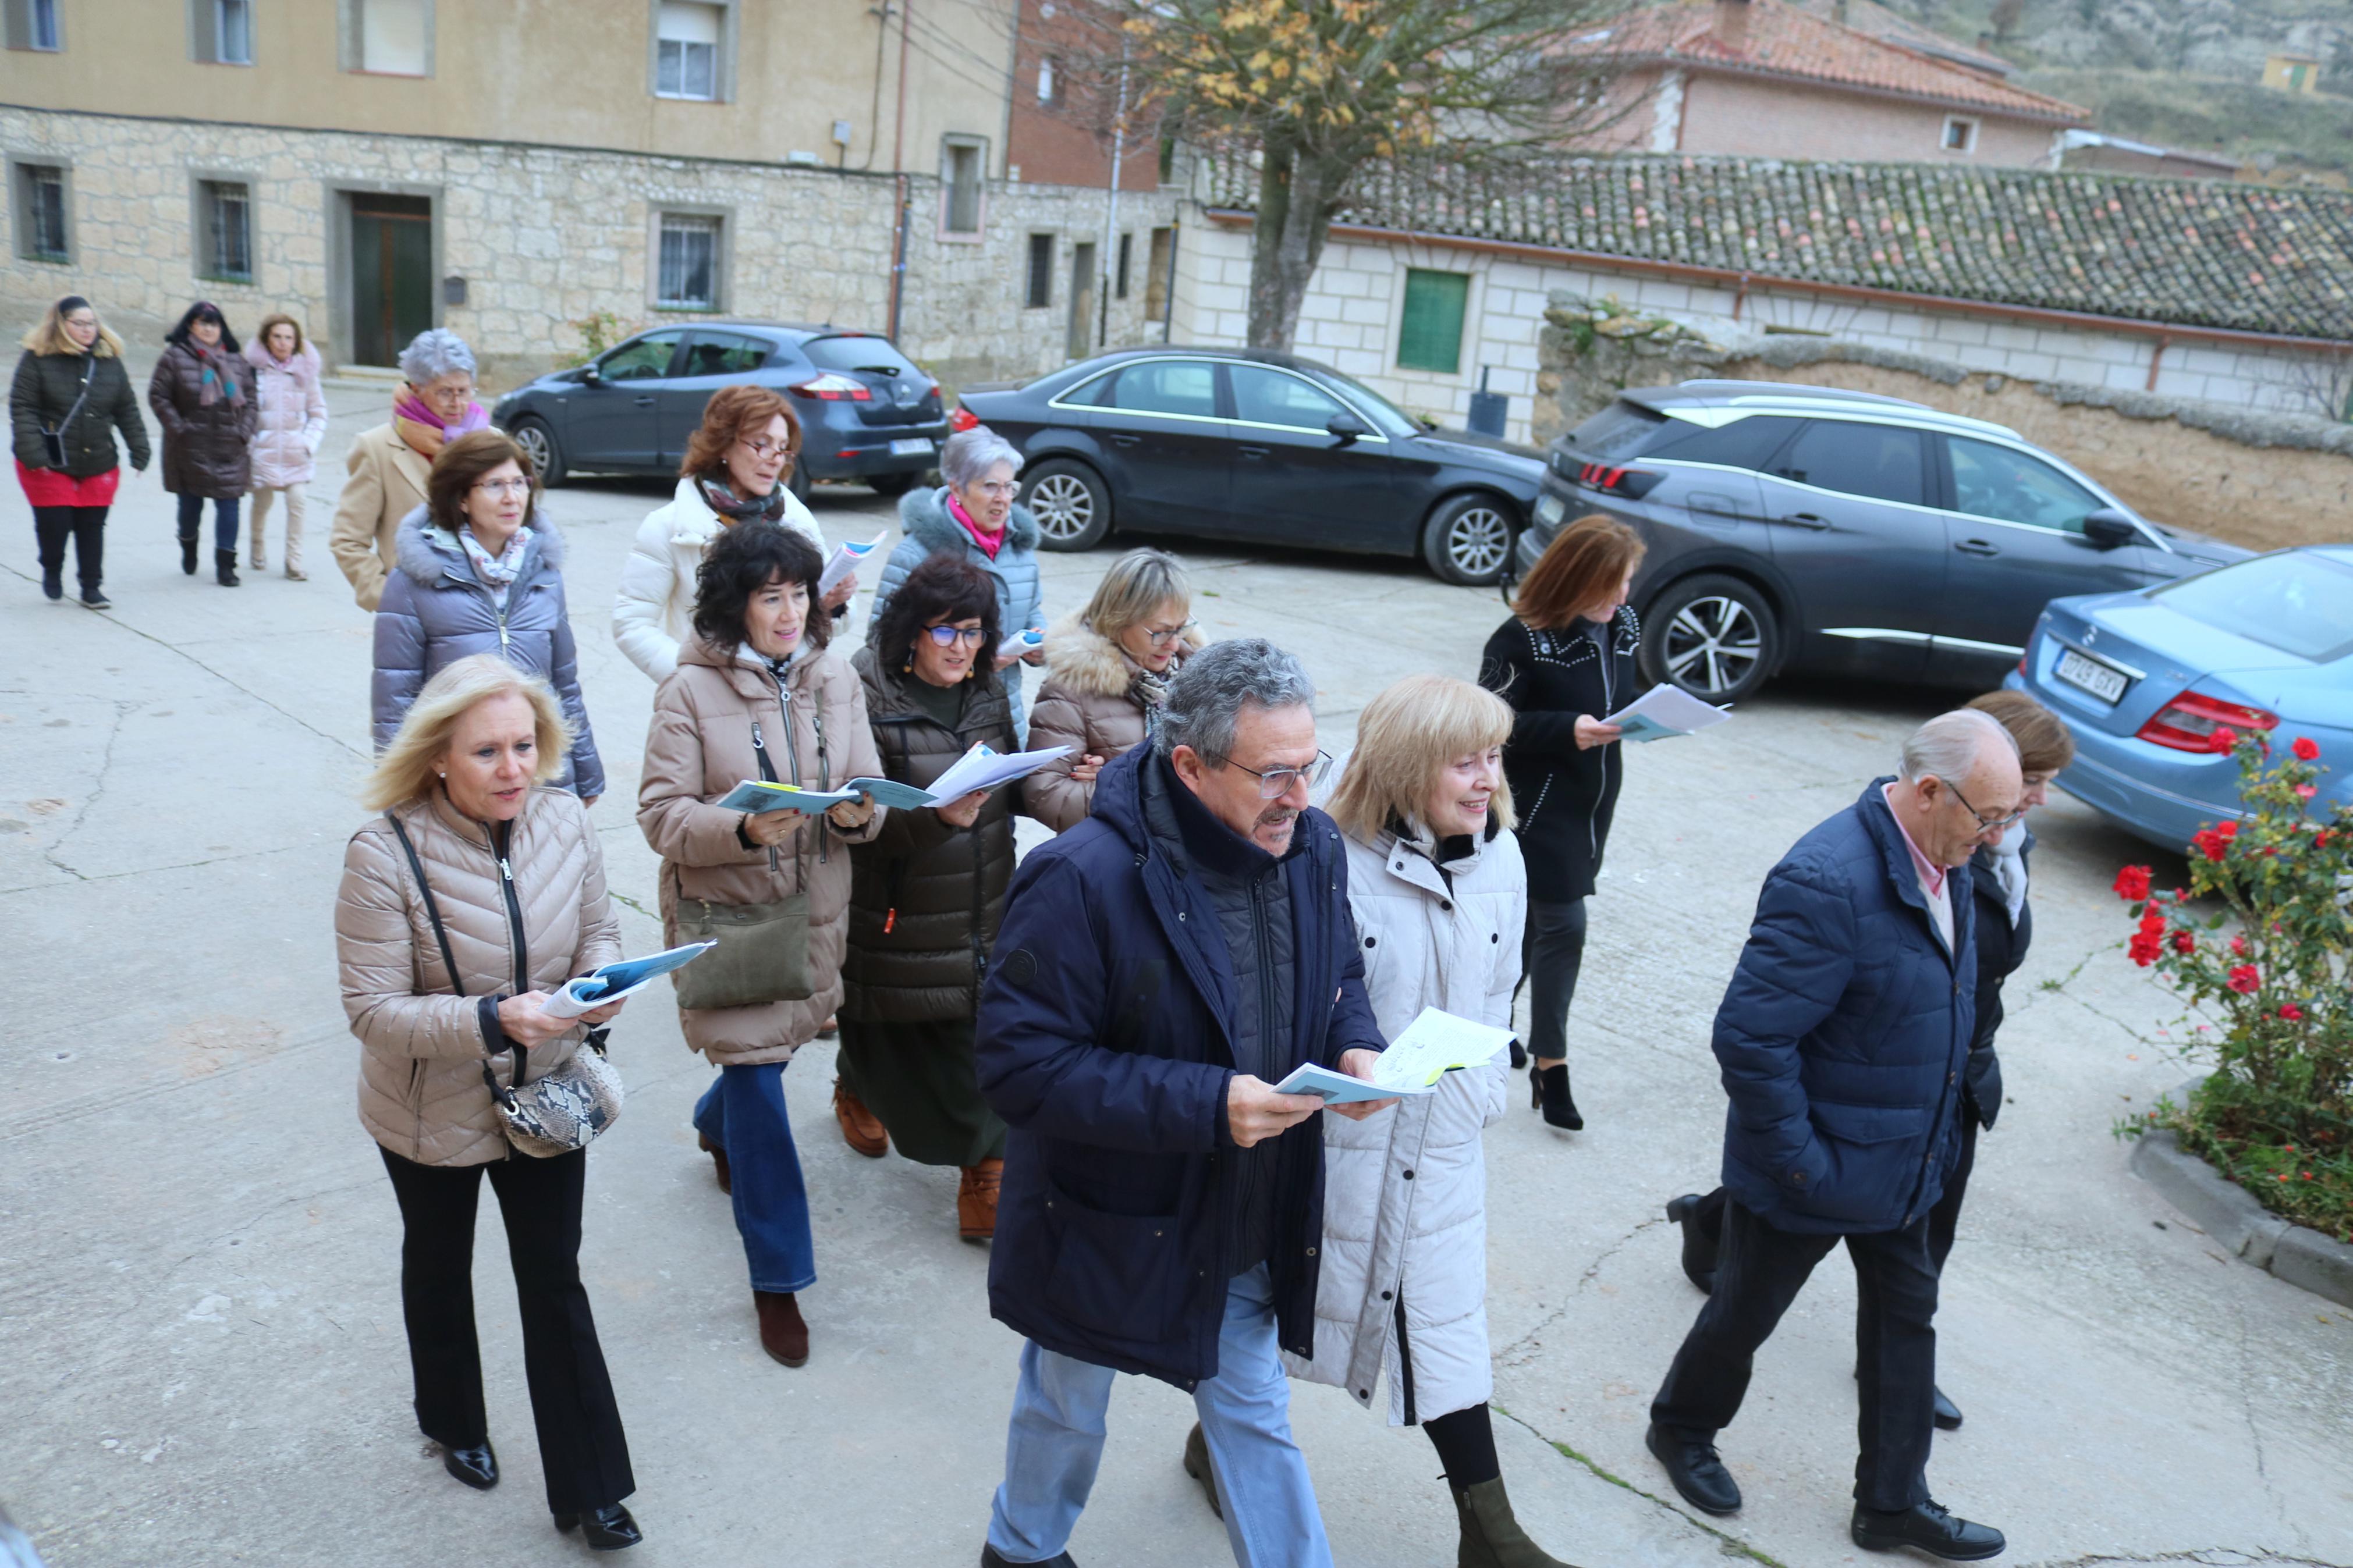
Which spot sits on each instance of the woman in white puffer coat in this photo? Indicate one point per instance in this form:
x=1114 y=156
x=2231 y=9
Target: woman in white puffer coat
x=1439 y=897
x=290 y=422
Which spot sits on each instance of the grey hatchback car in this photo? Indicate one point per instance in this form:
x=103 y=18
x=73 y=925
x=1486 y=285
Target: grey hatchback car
x=1805 y=528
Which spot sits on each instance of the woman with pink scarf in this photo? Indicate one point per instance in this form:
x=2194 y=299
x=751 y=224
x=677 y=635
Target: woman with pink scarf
x=202 y=395
x=389 y=464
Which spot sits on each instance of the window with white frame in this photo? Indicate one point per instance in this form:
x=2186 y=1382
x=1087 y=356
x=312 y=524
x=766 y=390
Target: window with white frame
x=33 y=25
x=225 y=230
x=686 y=51
x=1045 y=79
x=1960 y=134
x=388 y=37
x=43 y=211
x=960 y=170
x=687 y=268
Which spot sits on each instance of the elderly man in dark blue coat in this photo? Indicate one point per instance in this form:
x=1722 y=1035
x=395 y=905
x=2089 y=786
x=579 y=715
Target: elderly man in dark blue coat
x=1842 y=1038
x=1160 y=968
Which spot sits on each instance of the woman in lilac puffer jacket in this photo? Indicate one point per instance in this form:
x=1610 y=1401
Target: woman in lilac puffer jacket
x=292 y=422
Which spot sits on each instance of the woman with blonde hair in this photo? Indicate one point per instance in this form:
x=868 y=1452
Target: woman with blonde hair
x=70 y=395
x=1107 y=674
x=1436 y=886
x=292 y=415
x=477 y=893
x=1564 y=660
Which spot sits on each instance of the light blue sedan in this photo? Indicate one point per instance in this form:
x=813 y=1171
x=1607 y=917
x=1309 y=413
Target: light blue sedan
x=2147 y=680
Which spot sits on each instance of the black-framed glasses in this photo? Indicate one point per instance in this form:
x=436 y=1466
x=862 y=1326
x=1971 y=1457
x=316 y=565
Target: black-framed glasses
x=1273 y=783
x=1985 y=823
x=946 y=637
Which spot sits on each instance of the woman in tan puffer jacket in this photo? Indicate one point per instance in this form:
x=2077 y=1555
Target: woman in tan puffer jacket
x=1108 y=669
x=516 y=877
x=756 y=696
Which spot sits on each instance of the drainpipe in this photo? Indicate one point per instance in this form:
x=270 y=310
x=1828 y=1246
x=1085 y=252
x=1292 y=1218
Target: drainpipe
x=898 y=136
x=2156 y=358
x=1110 y=209
x=899 y=260
x=1168 y=301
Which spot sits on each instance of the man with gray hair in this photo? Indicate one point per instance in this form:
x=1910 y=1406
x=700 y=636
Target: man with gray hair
x=1161 y=967
x=1842 y=1038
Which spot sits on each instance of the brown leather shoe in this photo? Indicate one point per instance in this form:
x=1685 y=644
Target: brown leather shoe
x=783 y=1334
x=718 y=1161
x=976 y=1200
x=861 y=1128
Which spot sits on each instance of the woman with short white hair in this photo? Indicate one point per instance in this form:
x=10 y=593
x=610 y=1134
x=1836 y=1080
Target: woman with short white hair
x=390 y=463
x=975 y=518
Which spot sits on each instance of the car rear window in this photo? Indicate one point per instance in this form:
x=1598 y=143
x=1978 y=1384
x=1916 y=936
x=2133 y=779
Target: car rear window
x=1743 y=444
x=2297 y=602
x=1618 y=431
x=873 y=355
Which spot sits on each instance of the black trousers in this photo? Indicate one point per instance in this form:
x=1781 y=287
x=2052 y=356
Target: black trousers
x=583 y=1454
x=1551 y=952
x=1759 y=1272
x=86 y=526
x=1943 y=1220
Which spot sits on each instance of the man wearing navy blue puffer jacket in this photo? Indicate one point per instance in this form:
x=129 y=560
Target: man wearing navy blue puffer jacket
x=1842 y=1038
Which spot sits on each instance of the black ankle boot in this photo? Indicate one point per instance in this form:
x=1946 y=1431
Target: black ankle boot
x=188 y=554
x=1552 y=1097
x=224 y=568
x=609 y=1529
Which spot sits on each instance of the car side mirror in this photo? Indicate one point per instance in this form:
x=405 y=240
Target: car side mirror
x=2107 y=528
x=591 y=375
x=1346 y=426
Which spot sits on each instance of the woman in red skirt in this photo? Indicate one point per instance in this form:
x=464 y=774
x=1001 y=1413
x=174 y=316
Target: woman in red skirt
x=70 y=395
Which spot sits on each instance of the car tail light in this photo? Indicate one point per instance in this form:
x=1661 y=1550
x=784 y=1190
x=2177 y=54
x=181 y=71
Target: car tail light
x=1632 y=483
x=833 y=387
x=962 y=419
x=2194 y=723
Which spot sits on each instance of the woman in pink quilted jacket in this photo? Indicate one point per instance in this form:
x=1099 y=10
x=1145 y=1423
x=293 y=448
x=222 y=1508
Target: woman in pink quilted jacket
x=293 y=421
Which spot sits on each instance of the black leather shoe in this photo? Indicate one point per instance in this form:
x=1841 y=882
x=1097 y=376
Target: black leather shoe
x=1930 y=1527
x=989 y=1559
x=188 y=554
x=1699 y=1475
x=478 y=1467
x=1948 y=1415
x=606 y=1529
x=1699 y=1247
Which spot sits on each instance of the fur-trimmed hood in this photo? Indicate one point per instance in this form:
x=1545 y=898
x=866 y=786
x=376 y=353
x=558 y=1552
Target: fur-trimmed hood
x=427 y=553
x=924 y=514
x=1085 y=660
x=302 y=367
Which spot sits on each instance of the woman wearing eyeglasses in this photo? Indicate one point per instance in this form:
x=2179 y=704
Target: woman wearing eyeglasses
x=975 y=518
x=735 y=468
x=480 y=570
x=1107 y=674
x=927 y=890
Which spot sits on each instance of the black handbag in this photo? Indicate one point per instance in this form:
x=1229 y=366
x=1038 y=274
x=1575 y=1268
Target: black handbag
x=53 y=442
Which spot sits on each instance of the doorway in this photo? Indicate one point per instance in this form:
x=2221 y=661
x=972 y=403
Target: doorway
x=1083 y=301
x=392 y=274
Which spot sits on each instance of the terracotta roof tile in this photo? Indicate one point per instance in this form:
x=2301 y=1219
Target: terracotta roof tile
x=1781 y=40
x=2198 y=253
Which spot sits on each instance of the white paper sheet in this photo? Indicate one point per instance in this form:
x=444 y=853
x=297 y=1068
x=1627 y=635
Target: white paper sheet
x=1337 y=1087
x=985 y=768
x=1020 y=643
x=846 y=562
x=1664 y=710
x=1425 y=1051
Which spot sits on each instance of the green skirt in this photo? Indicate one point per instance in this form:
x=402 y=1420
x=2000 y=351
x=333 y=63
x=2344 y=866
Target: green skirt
x=920 y=1080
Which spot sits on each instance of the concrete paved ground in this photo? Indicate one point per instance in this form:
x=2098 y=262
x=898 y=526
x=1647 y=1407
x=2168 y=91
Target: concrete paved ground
x=201 y=1353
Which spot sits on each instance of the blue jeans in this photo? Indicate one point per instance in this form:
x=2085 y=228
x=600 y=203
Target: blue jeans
x=192 y=519
x=1056 y=1442
x=743 y=1114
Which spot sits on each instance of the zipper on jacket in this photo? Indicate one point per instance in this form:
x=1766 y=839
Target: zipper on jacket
x=767 y=772
x=501 y=838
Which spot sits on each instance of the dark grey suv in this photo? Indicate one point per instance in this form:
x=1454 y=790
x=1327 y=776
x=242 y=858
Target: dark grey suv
x=1804 y=528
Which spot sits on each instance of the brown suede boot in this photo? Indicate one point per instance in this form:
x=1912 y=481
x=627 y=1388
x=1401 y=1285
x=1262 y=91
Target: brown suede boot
x=783 y=1334
x=718 y=1161
x=1196 y=1465
x=861 y=1128
x=976 y=1200
x=1491 y=1538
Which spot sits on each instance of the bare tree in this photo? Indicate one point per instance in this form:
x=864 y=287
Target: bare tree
x=2319 y=385
x=1320 y=88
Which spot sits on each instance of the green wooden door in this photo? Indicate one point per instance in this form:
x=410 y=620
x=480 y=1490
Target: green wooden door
x=392 y=275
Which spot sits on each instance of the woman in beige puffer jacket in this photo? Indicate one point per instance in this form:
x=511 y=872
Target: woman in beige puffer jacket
x=517 y=877
x=756 y=696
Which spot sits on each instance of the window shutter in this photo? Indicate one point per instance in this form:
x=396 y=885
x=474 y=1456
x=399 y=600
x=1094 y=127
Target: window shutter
x=1430 y=337
x=204 y=40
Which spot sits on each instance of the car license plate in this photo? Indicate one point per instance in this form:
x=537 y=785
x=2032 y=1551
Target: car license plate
x=911 y=447
x=2088 y=674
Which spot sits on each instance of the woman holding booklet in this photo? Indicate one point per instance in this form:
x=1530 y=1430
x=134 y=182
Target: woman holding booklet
x=928 y=889
x=1563 y=662
x=756 y=696
x=1436 y=886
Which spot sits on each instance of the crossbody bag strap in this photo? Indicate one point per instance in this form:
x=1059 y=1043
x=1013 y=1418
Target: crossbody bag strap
x=441 y=935
x=89 y=373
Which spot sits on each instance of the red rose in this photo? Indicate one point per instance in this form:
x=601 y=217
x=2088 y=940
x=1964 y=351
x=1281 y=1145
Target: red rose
x=2185 y=941
x=2306 y=792
x=2226 y=830
x=2291 y=1011
x=2306 y=749
x=2144 y=948
x=2132 y=883
x=2239 y=947
x=2245 y=979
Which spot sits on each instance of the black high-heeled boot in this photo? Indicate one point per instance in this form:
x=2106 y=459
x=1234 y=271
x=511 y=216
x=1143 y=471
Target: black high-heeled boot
x=609 y=1529
x=1552 y=1097
x=224 y=568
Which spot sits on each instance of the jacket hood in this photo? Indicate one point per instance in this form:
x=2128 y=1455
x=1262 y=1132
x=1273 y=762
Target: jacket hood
x=303 y=366
x=924 y=514
x=1085 y=660
x=750 y=677
x=427 y=553
x=692 y=522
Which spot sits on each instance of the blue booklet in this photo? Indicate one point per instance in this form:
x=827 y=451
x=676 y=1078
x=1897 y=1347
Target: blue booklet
x=757 y=796
x=609 y=982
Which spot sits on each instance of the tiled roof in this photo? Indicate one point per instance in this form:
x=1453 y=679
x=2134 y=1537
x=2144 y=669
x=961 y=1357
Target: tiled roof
x=2203 y=253
x=1782 y=41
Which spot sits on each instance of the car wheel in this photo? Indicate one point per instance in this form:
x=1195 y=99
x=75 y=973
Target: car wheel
x=799 y=483
x=1072 y=508
x=538 y=444
x=892 y=484
x=1468 y=540
x=1715 y=637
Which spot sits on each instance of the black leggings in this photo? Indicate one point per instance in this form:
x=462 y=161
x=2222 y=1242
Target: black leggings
x=1465 y=1441
x=1551 y=952
x=85 y=525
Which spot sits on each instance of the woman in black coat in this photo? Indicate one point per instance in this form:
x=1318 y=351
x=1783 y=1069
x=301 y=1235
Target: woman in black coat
x=202 y=395
x=1564 y=660
x=70 y=395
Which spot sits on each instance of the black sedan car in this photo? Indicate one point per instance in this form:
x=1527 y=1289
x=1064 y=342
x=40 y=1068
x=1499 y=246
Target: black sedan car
x=866 y=412
x=1246 y=444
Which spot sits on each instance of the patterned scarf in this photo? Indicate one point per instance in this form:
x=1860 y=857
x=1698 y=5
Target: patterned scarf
x=424 y=431
x=498 y=571
x=721 y=499
x=220 y=379
x=1148 y=690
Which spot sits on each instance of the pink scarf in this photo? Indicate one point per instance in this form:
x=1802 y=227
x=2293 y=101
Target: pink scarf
x=423 y=429
x=990 y=543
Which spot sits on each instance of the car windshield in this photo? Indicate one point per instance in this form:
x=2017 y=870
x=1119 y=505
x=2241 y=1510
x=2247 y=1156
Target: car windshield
x=872 y=354
x=1387 y=415
x=2298 y=602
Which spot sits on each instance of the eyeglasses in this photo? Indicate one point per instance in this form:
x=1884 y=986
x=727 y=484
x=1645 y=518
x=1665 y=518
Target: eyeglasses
x=1162 y=640
x=504 y=487
x=761 y=447
x=948 y=637
x=1273 y=783
x=993 y=488
x=1985 y=823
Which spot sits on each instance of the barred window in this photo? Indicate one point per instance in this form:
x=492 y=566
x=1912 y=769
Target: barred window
x=689 y=277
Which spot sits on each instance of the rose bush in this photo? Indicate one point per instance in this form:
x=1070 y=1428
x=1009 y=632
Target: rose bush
x=2277 y=1113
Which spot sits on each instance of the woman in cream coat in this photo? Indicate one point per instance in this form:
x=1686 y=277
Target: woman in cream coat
x=1436 y=885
